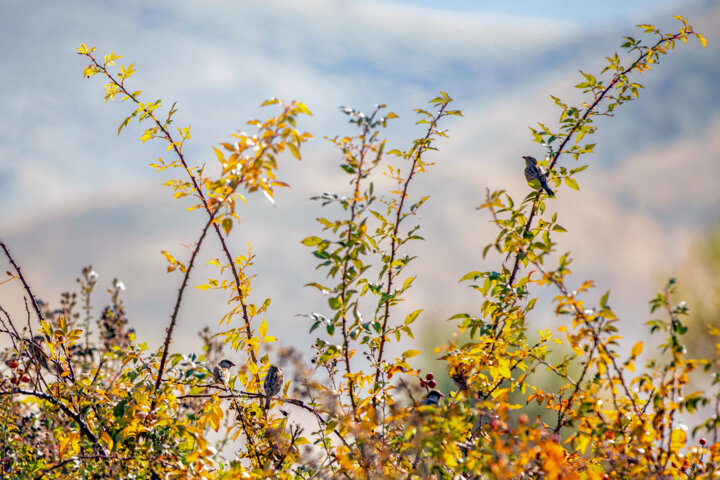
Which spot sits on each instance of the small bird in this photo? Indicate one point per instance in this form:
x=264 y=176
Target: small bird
x=533 y=172
x=221 y=372
x=273 y=383
x=432 y=398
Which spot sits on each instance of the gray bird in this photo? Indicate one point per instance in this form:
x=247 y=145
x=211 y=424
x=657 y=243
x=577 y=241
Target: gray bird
x=533 y=172
x=273 y=383
x=432 y=398
x=221 y=372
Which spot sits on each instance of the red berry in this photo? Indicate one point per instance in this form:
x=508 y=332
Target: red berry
x=422 y=383
x=14 y=380
x=429 y=376
x=13 y=363
x=703 y=442
x=25 y=379
x=432 y=383
x=523 y=419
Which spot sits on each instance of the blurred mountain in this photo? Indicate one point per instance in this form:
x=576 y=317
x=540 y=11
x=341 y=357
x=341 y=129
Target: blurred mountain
x=653 y=184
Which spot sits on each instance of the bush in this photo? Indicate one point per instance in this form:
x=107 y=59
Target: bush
x=102 y=405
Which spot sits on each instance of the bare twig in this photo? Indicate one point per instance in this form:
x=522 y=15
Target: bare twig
x=35 y=305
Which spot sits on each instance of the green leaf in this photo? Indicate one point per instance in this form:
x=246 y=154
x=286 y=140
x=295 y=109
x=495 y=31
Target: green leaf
x=311 y=241
x=410 y=353
x=411 y=318
x=570 y=182
x=470 y=276
x=334 y=303
x=317 y=285
x=406 y=284
x=604 y=299
x=227 y=225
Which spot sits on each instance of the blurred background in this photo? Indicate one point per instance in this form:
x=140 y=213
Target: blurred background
x=74 y=193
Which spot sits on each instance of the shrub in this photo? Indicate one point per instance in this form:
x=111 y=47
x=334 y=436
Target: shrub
x=103 y=405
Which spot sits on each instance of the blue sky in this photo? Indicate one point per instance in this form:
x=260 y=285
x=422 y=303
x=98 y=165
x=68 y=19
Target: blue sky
x=584 y=12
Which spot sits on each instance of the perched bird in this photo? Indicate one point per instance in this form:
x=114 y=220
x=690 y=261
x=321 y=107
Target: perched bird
x=273 y=383
x=432 y=398
x=533 y=172
x=221 y=372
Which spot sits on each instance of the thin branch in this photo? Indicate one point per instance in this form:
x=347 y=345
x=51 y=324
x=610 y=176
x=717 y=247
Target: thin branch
x=424 y=145
x=84 y=429
x=22 y=279
x=581 y=121
x=176 y=309
x=597 y=343
x=80 y=457
x=176 y=148
x=346 y=264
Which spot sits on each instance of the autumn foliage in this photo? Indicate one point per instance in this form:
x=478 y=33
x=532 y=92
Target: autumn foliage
x=82 y=396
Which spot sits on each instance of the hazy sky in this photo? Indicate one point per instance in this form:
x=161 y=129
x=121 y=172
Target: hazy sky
x=72 y=192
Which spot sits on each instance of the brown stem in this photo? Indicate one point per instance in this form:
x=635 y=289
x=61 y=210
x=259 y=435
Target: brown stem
x=393 y=240
x=346 y=263
x=84 y=429
x=22 y=279
x=176 y=309
x=201 y=195
x=574 y=130
x=596 y=344
x=80 y=457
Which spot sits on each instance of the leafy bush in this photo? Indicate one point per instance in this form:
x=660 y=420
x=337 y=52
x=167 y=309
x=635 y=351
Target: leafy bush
x=76 y=404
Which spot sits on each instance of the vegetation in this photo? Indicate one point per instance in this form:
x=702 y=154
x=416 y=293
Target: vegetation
x=82 y=397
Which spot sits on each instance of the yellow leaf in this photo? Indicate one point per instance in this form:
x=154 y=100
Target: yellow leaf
x=504 y=368
x=637 y=349
x=410 y=353
x=107 y=440
x=215 y=418
x=678 y=437
x=293 y=149
x=703 y=42
x=263 y=328
x=63 y=446
x=582 y=443
x=219 y=155
x=500 y=392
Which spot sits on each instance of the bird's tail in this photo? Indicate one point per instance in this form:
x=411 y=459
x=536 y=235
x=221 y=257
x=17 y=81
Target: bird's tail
x=547 y=189
x=267 y=402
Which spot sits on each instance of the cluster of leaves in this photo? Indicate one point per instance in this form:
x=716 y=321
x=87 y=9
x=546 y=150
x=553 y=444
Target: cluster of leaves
x=82 y=404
